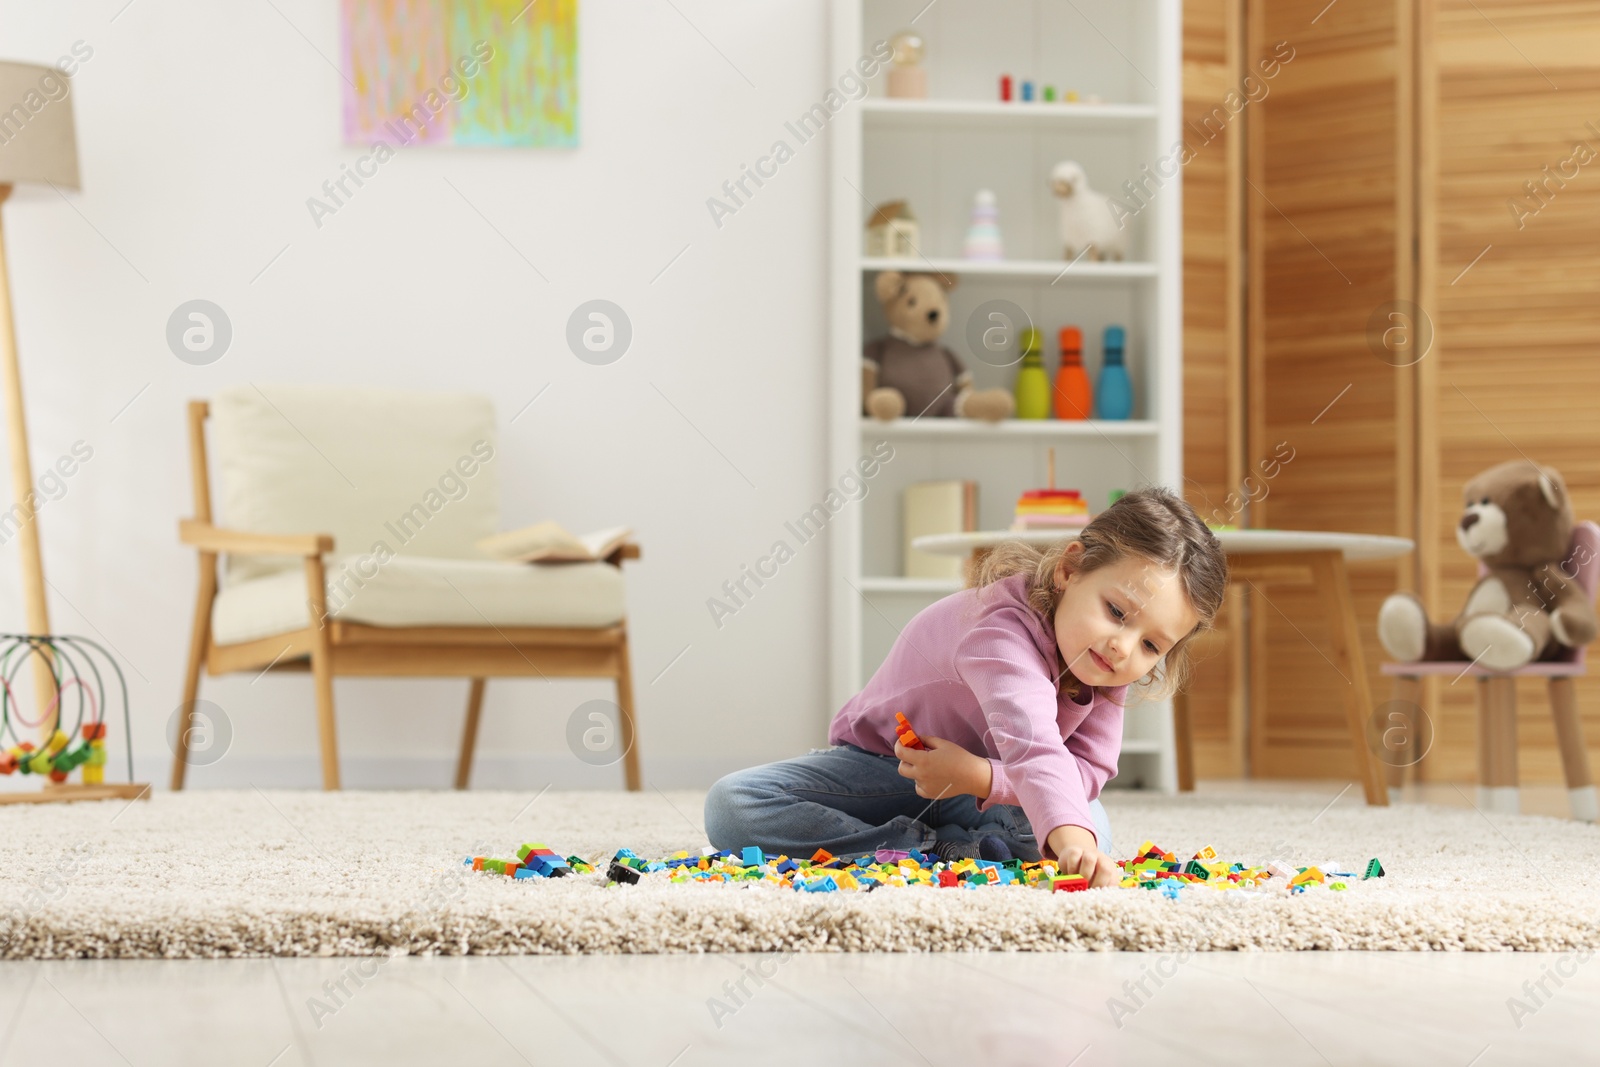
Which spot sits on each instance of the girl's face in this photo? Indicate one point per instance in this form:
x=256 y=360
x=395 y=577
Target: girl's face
x=1114 y=625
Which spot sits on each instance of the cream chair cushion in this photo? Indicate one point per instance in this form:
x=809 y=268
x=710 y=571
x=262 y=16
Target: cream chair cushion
x=406 y=483
x=411 y=470
x=410 y=591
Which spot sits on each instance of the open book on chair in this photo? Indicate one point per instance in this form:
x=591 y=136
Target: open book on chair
x=548 y=542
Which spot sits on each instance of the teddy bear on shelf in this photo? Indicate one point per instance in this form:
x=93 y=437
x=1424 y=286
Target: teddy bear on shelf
x=910 y=370
x=1517 y=520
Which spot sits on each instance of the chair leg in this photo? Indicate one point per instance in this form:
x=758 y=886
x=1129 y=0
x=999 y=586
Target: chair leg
x=630 y=744
x=1401 y=760
x=1183 y=741
x=1497 y=744
x=199 y=642
x=322 y=671
x=469 y=733
x=1574 y=757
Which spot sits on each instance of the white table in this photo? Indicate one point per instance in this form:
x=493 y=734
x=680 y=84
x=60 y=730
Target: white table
x=1283 y=557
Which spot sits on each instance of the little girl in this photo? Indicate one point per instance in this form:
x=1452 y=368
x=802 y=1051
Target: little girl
x=1016 y=687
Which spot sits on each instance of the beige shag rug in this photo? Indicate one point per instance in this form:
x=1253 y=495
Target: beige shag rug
x=246 y=873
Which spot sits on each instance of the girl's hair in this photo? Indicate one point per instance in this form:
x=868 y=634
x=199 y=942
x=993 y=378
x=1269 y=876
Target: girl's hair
x=1154 y=524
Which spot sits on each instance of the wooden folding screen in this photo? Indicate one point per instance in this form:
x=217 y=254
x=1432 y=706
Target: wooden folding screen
x=1419 y=242
x=1509 y=124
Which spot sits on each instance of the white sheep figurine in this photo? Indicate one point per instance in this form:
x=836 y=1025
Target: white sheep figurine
x=1088 y=227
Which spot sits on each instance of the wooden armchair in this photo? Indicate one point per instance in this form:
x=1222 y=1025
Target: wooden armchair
x=354 y=464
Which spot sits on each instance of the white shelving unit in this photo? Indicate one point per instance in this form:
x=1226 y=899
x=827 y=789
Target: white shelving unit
x=1055 y=270
x=1023 y=428
x=936 y=153
x=884 y=112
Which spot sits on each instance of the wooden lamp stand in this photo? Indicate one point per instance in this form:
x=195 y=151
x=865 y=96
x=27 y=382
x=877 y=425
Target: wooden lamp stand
x=44 y=150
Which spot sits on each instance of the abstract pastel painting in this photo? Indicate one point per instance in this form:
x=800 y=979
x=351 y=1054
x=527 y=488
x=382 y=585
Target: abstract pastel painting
x=461 y=72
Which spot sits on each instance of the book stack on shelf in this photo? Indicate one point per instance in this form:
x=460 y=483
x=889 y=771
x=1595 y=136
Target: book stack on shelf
x=934 y=508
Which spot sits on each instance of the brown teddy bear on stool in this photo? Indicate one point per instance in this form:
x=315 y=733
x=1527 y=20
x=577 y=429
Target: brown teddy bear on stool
x=1517 y=519
x=909 y=369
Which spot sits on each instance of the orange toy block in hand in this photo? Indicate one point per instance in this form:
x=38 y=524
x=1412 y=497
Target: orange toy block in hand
x=908 y=736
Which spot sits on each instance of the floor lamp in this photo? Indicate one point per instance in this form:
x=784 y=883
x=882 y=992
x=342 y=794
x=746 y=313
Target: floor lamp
x=38 y=146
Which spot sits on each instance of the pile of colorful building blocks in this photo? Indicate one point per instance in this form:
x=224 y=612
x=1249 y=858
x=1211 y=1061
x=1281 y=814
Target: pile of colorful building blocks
x=56 y=760
x=826 y=873
x=533 y=860
x=822 y=873
x=1153 y=868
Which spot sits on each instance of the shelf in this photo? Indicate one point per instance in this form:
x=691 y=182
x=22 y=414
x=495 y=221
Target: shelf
x=878 y=111
x=935 y=153
x=934 y=586
x=948 y=427
x=1053 y=269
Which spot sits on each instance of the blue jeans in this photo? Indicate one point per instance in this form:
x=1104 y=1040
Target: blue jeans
x=853 y=802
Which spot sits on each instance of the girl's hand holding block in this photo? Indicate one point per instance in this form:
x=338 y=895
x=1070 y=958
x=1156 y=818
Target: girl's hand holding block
x=1077 y=852
x=944 y=769
x=908 y=736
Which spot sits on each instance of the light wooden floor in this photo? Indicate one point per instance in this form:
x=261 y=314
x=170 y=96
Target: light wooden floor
x=673 y=1011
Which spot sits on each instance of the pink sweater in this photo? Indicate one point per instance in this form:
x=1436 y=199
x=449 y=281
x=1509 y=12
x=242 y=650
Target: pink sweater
x=979 y=668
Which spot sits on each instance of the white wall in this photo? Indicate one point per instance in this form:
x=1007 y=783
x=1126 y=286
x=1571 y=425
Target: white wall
x=204 y=127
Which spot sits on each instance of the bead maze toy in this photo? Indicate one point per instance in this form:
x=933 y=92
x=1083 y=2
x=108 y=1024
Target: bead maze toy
x=78 y=685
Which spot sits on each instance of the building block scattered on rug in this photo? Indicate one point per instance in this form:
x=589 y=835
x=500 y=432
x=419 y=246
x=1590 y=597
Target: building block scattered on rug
x=1374 y=869
x=1310 y=874
x=622 y=874
x=1063 y=883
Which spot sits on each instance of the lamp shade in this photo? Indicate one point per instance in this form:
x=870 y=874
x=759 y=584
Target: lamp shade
x=37 y=138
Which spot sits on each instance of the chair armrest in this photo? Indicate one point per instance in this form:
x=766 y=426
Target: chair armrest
x=626 y=550
x=208 y=538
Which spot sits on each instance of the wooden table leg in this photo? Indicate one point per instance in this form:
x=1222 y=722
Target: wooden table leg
x=1183 y=738
x=1333 y=585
